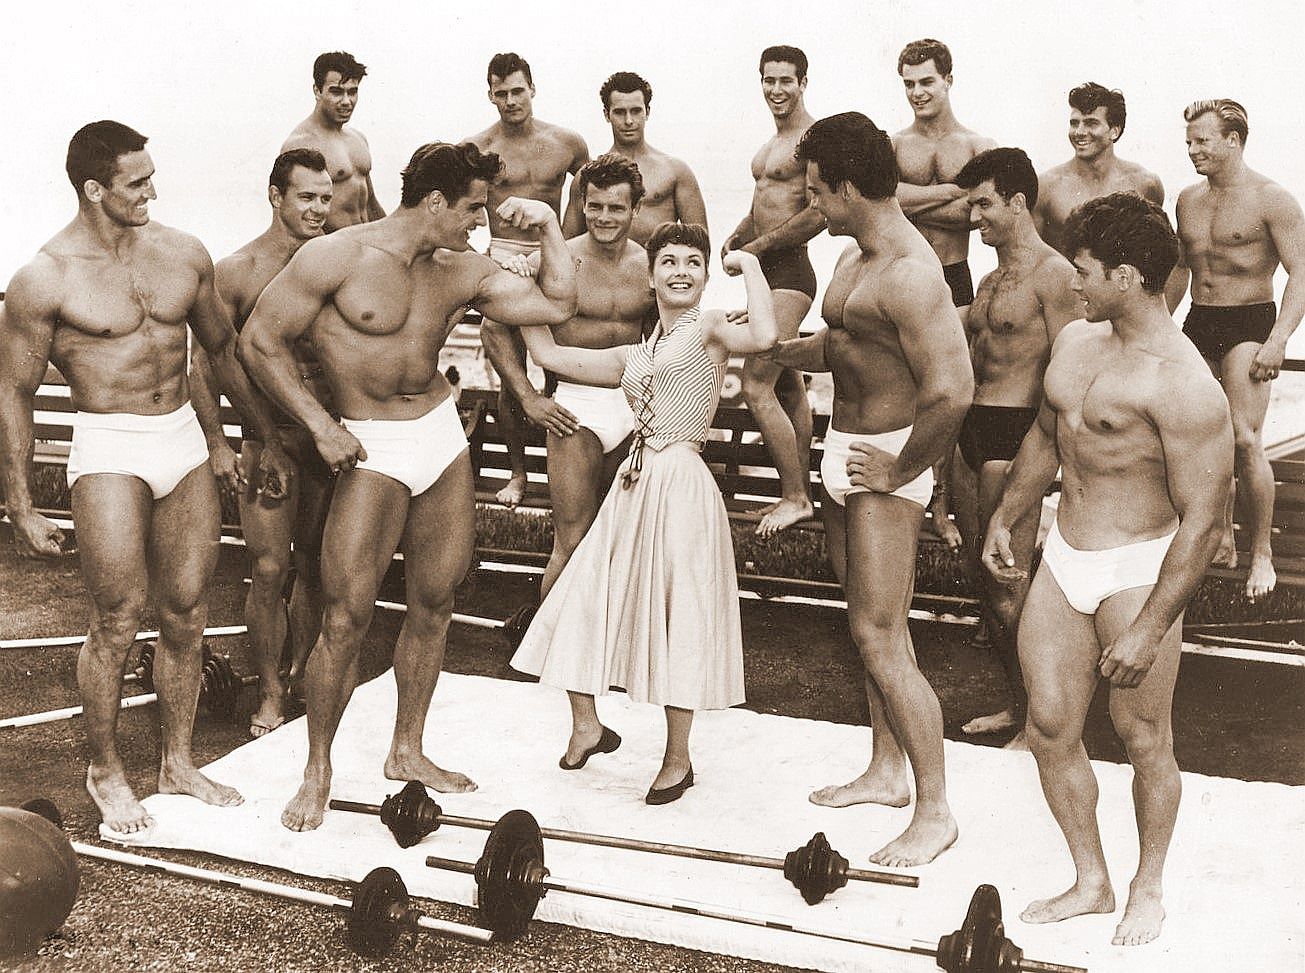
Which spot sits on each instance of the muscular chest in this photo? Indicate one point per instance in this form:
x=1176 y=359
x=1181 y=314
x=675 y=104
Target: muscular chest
x=531 y=170
x=388 y=302
x=658 y=190
x=607 y=295
x=852 y=302
x=1097 y=397
x=111 y=299
x=1221 y=223
x=925 y=162
x=346 y=159
x=1005 y=309
x=775 y=162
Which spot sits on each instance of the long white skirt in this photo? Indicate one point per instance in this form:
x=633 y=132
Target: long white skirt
x=649 y=601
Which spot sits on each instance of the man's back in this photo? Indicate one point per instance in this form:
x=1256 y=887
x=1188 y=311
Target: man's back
x=872 y=377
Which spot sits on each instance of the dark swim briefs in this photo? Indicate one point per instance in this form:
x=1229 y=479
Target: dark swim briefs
x=1216 y=330
x=959 y=280
x=789 y=270
x=994 y=432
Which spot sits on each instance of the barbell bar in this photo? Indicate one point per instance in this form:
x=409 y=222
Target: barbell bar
x=511 y=878
x=815 y=869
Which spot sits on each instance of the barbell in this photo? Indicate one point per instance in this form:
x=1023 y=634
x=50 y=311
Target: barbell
x=511 y=878
x=219 y=690
x=815 y=869
x=378 y=914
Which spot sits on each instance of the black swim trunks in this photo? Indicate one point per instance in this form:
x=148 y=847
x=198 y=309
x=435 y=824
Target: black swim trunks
x=994 y=432
x=789 y=269
x=962 y=284
x=1216 y=330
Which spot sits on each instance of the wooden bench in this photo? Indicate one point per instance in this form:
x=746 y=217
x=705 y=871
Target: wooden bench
x=738 y=459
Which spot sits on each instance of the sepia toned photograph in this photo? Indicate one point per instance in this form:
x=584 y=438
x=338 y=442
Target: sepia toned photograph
x=583 y=487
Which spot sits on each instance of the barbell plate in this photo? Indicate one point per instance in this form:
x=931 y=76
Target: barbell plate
x=506 y=898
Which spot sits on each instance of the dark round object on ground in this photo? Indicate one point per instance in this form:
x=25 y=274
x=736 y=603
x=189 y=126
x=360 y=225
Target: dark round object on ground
x=410 y=814
x=815 y=869
x=380 y=912
x=46 y=809
x=510 y=874
x=219 y=687
x=38 y=879
x=980 y=945
x=145 y=665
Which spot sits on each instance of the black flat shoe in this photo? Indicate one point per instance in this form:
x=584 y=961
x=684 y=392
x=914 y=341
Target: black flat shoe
x=664 y=795
x=608 y=742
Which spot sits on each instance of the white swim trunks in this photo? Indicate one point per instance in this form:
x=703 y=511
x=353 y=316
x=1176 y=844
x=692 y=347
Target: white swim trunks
x=838 y=447
x=416 y=452
x=1087 y=578
x=160 y=450
x=603 y=411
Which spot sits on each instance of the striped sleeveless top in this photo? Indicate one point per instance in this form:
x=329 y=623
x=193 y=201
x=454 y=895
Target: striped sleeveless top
x=672 y=384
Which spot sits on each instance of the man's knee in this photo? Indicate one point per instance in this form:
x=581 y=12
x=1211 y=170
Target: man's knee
x=1247 y=440
x=1146 y=741
x=429 y=609
x=757 y=385
x=268 y=571
x=880 y=638
x=345 y=621
x=118 y=620
x=1047 y=732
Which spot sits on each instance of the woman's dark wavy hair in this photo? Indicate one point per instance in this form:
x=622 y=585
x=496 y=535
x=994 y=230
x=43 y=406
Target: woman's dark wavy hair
x=685 y=234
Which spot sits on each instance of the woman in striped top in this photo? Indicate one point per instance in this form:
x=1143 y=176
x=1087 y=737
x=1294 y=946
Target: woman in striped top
x=649 y=601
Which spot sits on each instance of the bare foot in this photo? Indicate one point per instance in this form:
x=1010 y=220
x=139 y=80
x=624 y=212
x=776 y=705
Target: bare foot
x=188 y=780
x=1261 y=579
x=1143 y=917
x=783 y=515
x=512 y=494
x=872 y=787
x=305 y=810
x=992 y=723
x=1226 y=556
x=419 y=767
x=1082 y=899
x=269 y=716
x=119 y=809
x=925 y=838
x=1018 y=742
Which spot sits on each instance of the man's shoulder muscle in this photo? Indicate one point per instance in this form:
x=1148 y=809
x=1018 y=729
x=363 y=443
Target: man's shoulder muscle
x=37 y=286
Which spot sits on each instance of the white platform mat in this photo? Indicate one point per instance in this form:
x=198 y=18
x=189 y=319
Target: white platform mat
x=1235 y=882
